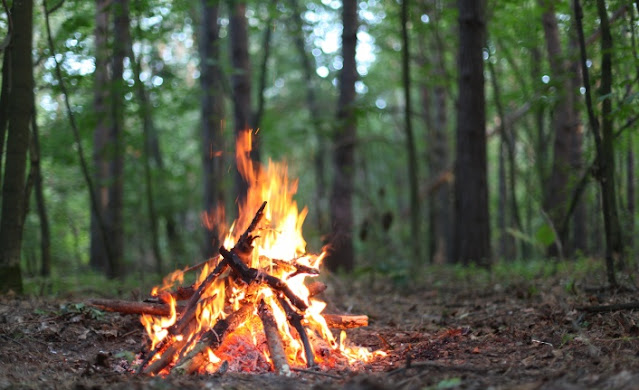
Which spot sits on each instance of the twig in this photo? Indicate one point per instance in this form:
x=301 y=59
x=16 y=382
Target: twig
x=296 y=320
x=608 y=308
x=250 y=275
x=313 y=372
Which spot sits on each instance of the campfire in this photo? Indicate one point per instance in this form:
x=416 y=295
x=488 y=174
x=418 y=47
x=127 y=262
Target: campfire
x=251 y=307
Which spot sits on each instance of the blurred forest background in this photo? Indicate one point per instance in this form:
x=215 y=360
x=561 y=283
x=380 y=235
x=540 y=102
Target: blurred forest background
x=422 y=132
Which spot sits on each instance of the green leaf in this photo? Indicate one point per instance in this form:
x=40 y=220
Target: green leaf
x=545 y=235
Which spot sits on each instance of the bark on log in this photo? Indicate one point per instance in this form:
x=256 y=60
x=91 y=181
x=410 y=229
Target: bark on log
x=273 y=340
x=338 y=321
x=334 y=321
x=250 y=275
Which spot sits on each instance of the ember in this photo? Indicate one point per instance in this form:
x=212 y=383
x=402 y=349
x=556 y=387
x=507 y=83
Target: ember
x=250 y=309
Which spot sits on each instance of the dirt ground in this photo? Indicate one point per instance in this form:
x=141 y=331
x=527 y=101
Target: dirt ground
x=523 y=334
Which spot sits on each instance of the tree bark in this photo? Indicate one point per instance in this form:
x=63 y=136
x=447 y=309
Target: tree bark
x=212 y=114
x=342 y=253
x=605 y=169
x=19 y=118
x=151 y=152
x=99 y=259
x=308 y=69
x=472 y=224
x=241 y=85
x=120 y=9
x=45 y=237
x=415 y=209
x=565 y=125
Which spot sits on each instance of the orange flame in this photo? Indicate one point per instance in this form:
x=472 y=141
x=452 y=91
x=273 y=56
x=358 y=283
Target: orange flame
x=279 y=238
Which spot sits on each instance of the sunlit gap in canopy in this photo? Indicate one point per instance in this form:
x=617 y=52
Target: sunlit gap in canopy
x=327 y=34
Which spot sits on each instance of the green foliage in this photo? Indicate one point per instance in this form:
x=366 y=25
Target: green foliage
x=165 y=42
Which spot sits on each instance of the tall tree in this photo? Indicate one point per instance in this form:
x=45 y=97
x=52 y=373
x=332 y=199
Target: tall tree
x=19 y=119
x=564 y=124
x=107 y=250
x=45 y=237
x=603 y=135
x=241 y=83
x=151 y=148
x=472 y=224
x=308 y=69
x=342 y=253
x=212 y=113
x=415 y=219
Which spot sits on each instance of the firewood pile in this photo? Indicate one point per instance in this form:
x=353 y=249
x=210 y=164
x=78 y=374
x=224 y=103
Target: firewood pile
x=268 y=304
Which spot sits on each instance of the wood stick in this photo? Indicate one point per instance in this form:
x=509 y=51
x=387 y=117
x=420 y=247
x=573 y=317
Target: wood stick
x=315 y=288
x=128 y=307
x=607 y=308
x=164 y=360
x=250 y=275
x=338 y=321
x=213 y=337
x=273 y=340
x=334 y=321
x=295 y=319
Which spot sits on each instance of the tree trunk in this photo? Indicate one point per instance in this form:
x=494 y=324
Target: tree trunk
x=342 y=254
x=45 y=237
x=266 y=48
x=241 y=84
x=630 y=194
x=19 y=118
x=151 y=152
x=506 y=183
x=4 y=104
x=472 y=224
x=311 y=101
x=565 y=125
x=415 y=218
x=605 y=168
x=115 y=205
x=99 y=259
x=212 y=114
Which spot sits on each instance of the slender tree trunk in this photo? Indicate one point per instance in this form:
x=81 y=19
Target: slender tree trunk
x=311 y=101
x=151 y=152
x=4 y=104
x=630 y=193
x=114 y=210
x=507 y=196
x=241 y=84
x=20 y=112
x=415 y=210
x=212 y=114
x=605 y=169
x=45 y=237
x=266 y=51
x=342 y=254
x=562 y=177
x=472 y=223
x=99 y=259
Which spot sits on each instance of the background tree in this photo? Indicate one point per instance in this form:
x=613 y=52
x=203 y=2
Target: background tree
x=20 y=111
x=472 y=224
x=342 y=254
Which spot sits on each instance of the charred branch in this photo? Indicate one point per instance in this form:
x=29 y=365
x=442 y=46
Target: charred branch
x=273 y=340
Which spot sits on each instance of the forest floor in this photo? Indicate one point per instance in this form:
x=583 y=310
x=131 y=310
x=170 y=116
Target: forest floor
x=452 y=332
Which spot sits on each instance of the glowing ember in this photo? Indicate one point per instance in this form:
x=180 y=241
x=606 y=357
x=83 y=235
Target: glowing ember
x=268 y=264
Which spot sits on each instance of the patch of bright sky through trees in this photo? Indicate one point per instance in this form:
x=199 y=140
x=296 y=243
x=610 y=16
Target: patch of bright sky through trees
x=324 y=36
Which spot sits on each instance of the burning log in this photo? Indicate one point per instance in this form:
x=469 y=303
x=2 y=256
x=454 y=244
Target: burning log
x=339 y=321
x=213 y=337
x=295 y=319
x=250 y=275
x=334 y=321
x=273 y=340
